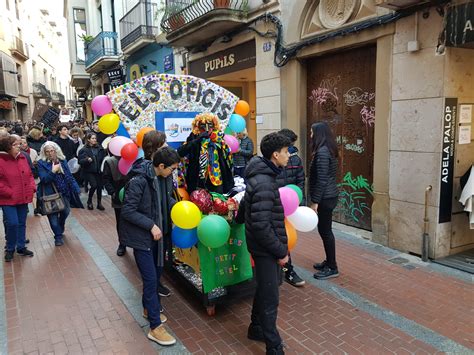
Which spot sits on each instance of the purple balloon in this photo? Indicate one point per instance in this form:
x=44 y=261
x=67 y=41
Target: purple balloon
x=101 y=105
x=124 y=166
x=289 y=199
x=232 y=142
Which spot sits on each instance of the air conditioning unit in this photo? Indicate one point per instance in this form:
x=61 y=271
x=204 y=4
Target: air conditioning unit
x=399 y=4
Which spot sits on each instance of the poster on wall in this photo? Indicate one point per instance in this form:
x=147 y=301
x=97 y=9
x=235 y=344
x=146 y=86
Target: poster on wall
x=137 y=102
x=447 y=160
x=176 y=125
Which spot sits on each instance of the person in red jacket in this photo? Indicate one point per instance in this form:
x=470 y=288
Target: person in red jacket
x=17 y=188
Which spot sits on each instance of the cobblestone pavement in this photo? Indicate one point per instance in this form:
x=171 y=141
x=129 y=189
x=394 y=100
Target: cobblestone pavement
x=82 y=298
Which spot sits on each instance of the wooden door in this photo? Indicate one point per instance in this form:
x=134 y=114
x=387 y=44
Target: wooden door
x=341 y=91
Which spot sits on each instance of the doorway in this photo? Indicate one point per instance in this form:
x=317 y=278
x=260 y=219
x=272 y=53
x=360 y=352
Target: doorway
x=341 y=92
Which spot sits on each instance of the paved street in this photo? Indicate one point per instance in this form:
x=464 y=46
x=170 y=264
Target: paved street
x=82 y=298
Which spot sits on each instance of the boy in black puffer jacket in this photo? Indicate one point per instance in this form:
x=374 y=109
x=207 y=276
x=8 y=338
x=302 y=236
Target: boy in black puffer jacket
x=265 y=231
x=293 y=173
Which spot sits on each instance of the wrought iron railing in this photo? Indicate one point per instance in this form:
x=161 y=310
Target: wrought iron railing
x=58 y=98
x=140 y=21
x=40 y=91
x=181 y=12
x=103 y=45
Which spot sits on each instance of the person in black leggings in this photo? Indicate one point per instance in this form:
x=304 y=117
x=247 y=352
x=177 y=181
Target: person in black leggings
x=324 y=192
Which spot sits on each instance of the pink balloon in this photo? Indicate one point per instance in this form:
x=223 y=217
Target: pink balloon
x=101 y=105
x=232 y=142
x=116 y=144
x=289 y=199
x=124 y=166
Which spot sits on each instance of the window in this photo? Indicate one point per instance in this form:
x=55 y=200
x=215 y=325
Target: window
x=80 y=30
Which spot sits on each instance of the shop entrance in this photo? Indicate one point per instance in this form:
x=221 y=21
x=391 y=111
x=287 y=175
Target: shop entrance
x=341 y=92
x=242 y=84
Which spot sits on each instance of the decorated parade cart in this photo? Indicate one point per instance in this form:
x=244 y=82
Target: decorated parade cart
x=206 y=249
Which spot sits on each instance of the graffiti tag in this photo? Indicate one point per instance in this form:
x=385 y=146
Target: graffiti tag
x=357 y=96
x=355 y=148
x=353 y=196
x=368 y=115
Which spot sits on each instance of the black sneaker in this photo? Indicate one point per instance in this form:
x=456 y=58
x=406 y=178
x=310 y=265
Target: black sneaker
x=163 y=291
x=9 y=256
x=255 y=332
x=121 y=250
x=25 y=252
x=37 y=212
x=326 y=273
x=320 y=266
x=100 y=207
x=90 y=207
x=27 y=241
x=293 y=279
x=58 y=242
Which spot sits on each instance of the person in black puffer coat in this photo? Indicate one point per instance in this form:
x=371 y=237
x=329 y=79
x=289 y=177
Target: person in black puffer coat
x=35 y=138
x=266 y=236
x=293 y=173
x=324 y=192
x=90 y=158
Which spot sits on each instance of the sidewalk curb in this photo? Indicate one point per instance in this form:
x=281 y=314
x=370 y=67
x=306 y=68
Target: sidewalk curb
x=124 y=289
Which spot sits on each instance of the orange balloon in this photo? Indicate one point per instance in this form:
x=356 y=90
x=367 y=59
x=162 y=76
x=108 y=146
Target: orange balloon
x=242 y=108
x=183 y=194
x=141 y=133
x=291 y=234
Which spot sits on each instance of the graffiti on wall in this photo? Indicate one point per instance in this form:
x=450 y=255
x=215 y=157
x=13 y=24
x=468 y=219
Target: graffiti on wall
x=354 y=191
x=326 y=95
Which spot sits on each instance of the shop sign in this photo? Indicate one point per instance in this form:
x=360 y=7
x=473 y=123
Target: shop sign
x=460 y=25
x=168 y=62
x=6 y=105
x=115 y=77
x=447 y=159
x=226 y=61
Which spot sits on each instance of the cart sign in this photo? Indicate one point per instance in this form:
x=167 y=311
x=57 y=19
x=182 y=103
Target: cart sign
x=168 y=64
x=460 y=26
x=115 y=77
x=447 y=160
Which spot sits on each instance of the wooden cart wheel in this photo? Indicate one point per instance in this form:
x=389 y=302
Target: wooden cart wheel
x=211 y=310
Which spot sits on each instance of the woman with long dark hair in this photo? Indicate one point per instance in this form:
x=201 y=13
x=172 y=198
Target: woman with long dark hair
x=90 y=159
x=323 y=193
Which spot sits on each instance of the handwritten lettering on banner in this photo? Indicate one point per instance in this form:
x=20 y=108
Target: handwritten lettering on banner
x=136 y=102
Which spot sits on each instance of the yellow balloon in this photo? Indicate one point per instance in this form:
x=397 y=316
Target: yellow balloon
x=186 y=215
x=109 y=123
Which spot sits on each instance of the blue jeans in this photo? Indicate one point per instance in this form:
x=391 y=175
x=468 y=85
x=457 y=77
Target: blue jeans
x=57 y=221
x=150 y=278
x=15 y=219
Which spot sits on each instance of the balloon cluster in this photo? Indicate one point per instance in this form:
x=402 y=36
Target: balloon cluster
x=121 y=145
x=236 y=124
x=298 y=218
x=211 y=230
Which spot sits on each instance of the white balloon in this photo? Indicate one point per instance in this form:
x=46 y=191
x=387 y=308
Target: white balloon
x=304 y=219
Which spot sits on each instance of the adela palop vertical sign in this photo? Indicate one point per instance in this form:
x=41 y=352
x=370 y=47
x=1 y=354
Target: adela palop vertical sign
x=447 y=160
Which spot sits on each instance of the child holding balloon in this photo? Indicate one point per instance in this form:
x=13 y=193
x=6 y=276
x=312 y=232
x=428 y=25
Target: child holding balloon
x=264 y=217
x=145 y=219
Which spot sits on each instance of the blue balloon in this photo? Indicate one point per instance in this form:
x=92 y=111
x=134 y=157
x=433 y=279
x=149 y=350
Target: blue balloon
x=184 y=238
x=237 y=123
x=141 y=153
x=122 y=131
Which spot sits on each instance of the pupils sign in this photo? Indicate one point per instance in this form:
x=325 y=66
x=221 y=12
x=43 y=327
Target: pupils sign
x=137 y=102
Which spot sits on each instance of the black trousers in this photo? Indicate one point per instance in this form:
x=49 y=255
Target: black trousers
x=325 y=209
x=266 y=299
x=117 y=220
x=95 y=182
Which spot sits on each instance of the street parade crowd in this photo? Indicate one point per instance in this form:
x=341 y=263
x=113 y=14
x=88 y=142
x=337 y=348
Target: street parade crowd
x=150 y=184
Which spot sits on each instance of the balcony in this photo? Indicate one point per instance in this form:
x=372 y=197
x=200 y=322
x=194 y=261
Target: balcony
x=138 y=27
x=19 y=49
x=102 y=52
x=41 y=92
x=189 y=22
x=58 y=98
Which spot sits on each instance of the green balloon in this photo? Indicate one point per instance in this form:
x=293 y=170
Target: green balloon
x=122 y=194
x=213 y=231
x=297 y=190
x=228 y=131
